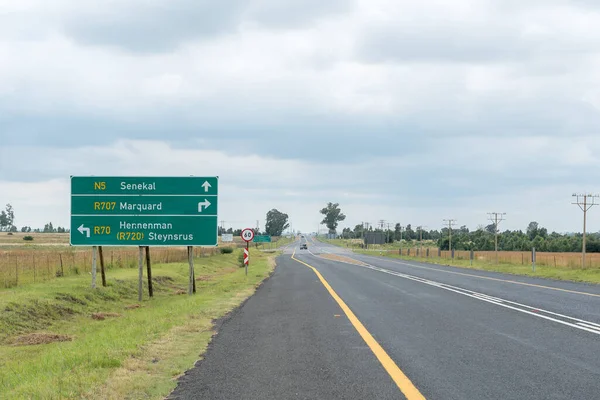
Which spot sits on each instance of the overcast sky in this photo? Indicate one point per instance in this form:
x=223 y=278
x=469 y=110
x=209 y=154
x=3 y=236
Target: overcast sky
x=399 y=110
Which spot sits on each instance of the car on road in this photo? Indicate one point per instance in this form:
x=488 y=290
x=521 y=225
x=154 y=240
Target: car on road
x=303 y=246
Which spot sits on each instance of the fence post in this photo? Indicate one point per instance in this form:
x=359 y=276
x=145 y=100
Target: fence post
x=533 y=259
x=471 y=257
x=34 y=271
x=17 y=270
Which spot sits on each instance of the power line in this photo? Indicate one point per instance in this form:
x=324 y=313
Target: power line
x=451 y=223
x=496 y=218
x=585 y=202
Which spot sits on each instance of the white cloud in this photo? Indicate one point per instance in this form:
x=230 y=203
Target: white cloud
x=428 y=108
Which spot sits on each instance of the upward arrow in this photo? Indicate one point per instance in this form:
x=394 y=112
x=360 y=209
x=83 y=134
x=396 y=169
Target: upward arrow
x=204 y=204
x=206 y=186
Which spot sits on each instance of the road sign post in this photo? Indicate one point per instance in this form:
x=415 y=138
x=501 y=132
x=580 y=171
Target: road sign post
x=144 y=211
x=262 y=239
x=247 y=236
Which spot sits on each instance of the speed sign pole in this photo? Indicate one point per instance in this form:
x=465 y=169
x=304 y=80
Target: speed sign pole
x=246 y=258
x=247 y=236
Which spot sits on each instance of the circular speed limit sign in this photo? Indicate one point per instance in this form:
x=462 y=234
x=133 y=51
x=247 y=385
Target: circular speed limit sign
x=247 y=235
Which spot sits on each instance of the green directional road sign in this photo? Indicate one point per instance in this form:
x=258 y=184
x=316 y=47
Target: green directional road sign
x=144 y=211
x=262 y=239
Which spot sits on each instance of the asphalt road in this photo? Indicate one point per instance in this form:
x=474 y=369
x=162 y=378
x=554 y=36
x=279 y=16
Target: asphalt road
x=452 y=333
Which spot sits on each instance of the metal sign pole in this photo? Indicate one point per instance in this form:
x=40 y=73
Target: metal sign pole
x=191 y=262
x=140 y=272
x=94 y=252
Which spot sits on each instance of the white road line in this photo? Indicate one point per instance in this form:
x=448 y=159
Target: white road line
x=590 y=326
x=595 y=325
x=577 y=323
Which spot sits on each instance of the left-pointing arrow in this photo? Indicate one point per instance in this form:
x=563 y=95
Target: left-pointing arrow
x=84 y=231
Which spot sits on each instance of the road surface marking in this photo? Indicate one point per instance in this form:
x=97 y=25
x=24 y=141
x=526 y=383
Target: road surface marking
x=404 y=384
x=523 y=308
x=494 y=279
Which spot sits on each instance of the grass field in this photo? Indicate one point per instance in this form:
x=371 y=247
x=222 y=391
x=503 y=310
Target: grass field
x=517 y=263
x=357 y=243
x=563 y=266
x=49 y=256
x=110 y=348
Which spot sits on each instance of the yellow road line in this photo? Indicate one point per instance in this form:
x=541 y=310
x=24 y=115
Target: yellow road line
x=496 y=279
x=404 y=384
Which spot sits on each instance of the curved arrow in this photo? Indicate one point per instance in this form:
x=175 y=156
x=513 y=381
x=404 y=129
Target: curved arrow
x=204 y=204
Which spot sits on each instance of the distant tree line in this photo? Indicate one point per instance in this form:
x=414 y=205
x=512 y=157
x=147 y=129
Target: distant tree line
x=7 y=219
x=482 y=239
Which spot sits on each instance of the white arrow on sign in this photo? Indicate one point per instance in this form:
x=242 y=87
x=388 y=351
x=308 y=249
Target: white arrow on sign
x=84 y=231
x=206 y=186
x=204 y=204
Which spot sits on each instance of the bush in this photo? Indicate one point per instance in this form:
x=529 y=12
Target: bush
x=226 y=250
x=28 y=238
x=241 y=259
x=9 y=233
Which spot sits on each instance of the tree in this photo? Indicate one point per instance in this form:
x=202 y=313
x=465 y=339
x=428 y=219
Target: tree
x=532 y=230
x=49 y=228
x=277 y=222
x=10 y=217
x=3 y=221
x=358 y=230
x=333 y=215
x=409 y=233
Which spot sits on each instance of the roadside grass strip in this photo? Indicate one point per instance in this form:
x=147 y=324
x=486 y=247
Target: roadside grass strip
x=62 y=340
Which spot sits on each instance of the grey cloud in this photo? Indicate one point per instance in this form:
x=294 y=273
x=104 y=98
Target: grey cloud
x=434 y=43
x=294 y=13
x=156 y=26
x=162 y=25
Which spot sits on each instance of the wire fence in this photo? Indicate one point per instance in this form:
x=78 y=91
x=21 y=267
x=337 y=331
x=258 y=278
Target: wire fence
x=19 y=267
x=558 y=260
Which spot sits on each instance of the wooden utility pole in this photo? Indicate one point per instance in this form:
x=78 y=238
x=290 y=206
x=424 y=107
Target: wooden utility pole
x=496 y=218
x=585 y=202
x=451 y=223
x=420 y=228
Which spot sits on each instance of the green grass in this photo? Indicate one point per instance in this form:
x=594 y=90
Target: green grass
x=137 y=355
x=590 y=275
x=355 y=243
